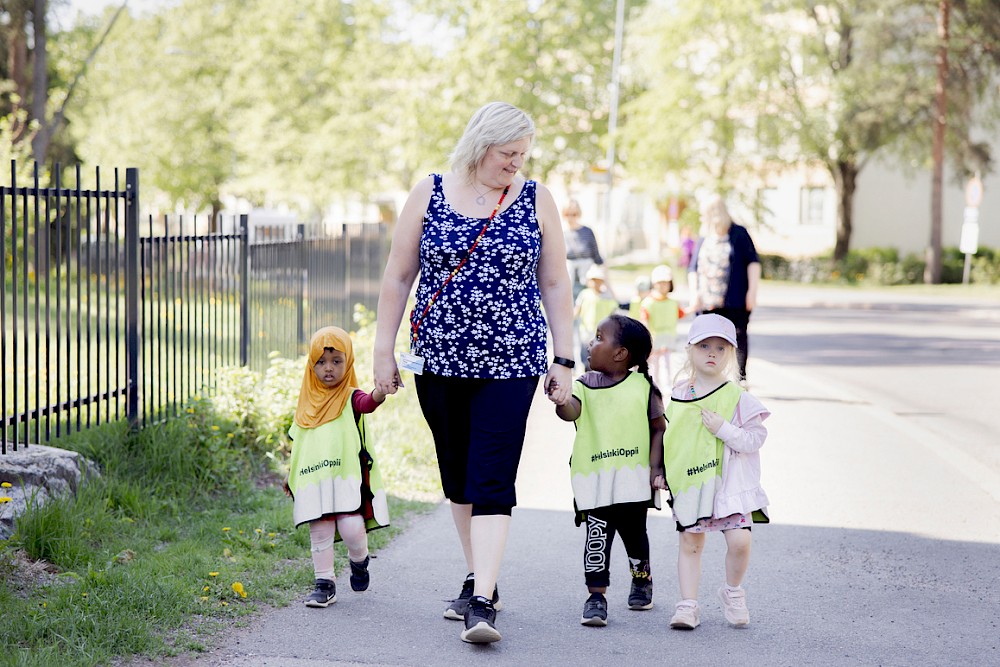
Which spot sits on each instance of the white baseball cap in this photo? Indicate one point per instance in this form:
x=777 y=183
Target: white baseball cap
x=662 y=274
x=709 y=325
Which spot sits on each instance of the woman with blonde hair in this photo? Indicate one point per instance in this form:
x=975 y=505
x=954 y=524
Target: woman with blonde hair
x=724 y=273
x=488 y=247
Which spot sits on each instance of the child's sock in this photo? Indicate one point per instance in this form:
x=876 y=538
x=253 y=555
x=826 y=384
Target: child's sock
x=639 y=568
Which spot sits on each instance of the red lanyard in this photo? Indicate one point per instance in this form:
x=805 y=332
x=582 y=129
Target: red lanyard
x=416 y=325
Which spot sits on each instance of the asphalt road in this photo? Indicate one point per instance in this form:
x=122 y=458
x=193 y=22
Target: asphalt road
x=884 y=547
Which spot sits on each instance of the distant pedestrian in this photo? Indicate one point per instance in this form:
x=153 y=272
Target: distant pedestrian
x=333 y=476
x=642 y=290
x=619 y=419
x=711 y=466
x=660 y=313
x=725 y=273
x=581 y=246
x=593 y=304
x=488 y=246
x=687 y=248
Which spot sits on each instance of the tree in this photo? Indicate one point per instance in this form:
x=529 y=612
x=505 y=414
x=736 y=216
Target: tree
x=763 y=85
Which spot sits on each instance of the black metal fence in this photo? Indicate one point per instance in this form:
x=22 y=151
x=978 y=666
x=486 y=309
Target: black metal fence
x=109 y=317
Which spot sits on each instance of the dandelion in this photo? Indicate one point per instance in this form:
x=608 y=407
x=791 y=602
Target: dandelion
x=213 y=574
x=258 y=531
x=271 y=534
x=205 y=589
x=214 y=427
x=238 y=589
x=224 y=603
x=204 y=598
x=83 y=594
x=5 y=499
x=226 y=529
x=273 y=544
x=190 y=411
x=5 y=485
x=230 y=435
x=241 y=532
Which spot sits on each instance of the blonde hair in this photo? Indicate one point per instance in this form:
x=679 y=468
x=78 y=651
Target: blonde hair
x=728 y=368
x=715 y=216
x=493 y=124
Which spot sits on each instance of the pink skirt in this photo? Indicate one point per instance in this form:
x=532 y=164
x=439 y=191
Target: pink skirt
x=730 y=522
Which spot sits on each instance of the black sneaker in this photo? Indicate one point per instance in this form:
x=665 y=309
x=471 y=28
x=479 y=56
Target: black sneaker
x=456 y=609
x=641 y=595
x=359 y=574
x=480 y=619
x=595 y=611
x=323 y=595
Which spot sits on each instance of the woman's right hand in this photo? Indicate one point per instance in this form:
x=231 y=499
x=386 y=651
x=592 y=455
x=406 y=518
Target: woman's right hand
x=387 y=378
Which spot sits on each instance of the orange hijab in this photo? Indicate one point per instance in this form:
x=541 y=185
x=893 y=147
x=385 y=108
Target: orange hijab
x=317 y=403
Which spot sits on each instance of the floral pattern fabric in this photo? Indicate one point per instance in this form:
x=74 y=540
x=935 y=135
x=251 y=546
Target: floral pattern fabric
x=713 y=272
x=487 y=322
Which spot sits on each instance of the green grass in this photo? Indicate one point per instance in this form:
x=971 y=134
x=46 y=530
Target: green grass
x=124 y=566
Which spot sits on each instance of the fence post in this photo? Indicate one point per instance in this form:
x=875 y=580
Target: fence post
x=300 y=333
x=244 y=289
x=132 y=294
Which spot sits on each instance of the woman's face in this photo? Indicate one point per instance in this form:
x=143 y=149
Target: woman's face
x=572 y=217
x=331 y=368
x=502 y=162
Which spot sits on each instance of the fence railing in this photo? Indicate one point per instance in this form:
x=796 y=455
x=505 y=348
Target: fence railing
x=106 y=317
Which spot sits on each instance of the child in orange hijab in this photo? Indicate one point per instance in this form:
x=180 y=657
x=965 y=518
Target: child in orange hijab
x=333 y=476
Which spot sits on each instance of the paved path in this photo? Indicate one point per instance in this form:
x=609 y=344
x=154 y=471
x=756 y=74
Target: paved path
x=868 y=562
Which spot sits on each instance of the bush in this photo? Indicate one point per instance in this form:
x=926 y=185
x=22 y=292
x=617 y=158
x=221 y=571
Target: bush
x=881 y=266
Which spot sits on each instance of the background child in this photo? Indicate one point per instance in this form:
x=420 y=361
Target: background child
x=660 y=313
x=593 y=303
x=333 y=476
x=642 y=289
x=711 y=464
x=617 y=413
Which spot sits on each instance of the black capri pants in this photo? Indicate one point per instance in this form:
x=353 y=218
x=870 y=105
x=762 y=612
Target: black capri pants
x=478 y=427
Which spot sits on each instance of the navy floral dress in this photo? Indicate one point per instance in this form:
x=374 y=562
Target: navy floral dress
x=487 y=322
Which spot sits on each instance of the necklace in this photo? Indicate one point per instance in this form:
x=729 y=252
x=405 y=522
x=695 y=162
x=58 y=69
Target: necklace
x=481 y=199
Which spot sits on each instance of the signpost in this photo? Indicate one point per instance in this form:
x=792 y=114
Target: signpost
x=969 y=242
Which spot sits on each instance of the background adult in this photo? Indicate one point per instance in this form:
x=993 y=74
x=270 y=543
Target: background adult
x=581 y=247
x=724 y=273
x=478 y=326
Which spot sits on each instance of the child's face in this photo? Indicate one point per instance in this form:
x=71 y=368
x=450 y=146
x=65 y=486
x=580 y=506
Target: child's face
x=595 y=284
x=331 y=367
x=604 y=352
x=662 y=287
x=709 y=356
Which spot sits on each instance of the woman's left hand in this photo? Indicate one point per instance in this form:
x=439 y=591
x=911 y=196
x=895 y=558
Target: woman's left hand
x=558 y=384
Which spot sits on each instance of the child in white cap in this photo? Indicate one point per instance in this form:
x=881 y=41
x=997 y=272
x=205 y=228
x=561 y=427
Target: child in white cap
x=660 y=314
x=593 y=304
x=710 y=463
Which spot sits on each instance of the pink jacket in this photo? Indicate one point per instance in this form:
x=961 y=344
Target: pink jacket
x=741 y=492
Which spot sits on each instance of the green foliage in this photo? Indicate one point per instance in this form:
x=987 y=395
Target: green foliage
x=882 y=266
x=185 y=529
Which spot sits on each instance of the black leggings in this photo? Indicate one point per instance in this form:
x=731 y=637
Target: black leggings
x=629 y=521
x=478 y=427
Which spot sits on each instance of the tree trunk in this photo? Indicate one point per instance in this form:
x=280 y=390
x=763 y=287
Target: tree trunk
x=932 y=267
x=40 y=83
x=845 y=177
x=17 y=64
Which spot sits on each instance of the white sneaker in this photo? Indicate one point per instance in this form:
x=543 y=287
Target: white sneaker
x=686 y=617
x=734 y=605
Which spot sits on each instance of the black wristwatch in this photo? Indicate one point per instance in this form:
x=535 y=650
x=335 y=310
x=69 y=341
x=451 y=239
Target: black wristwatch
x=563 y=361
